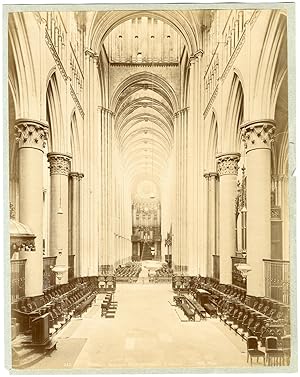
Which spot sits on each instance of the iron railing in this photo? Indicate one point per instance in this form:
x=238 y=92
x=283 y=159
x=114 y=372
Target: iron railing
x=49 y=277
x=17 y=268
x=277 y=280
x=237 y=278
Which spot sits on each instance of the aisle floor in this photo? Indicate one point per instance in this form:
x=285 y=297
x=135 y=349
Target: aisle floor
x=145 y=333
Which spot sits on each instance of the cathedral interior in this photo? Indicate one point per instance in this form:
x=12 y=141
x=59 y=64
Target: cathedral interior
x=149 y=189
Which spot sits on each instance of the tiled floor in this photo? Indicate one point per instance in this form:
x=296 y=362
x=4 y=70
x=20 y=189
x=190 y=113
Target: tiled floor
x=145 y=333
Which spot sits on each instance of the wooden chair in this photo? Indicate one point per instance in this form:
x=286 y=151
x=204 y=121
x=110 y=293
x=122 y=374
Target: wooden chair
x=253 y=351
x=275 y=356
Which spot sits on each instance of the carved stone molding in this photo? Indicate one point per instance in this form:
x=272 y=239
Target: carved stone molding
x=55 y=55
x=92 y=54
x=193 y=58
x=59 y=163
x=228 y=163
x=76 y=100
x=211 y=100
x=31 y=133
x=275 y=213
x=258 y=134
x=12 y=211
x=234 y=56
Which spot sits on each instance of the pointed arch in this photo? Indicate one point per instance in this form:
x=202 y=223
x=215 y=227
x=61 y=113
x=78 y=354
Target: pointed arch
x=103 y=24
x=272 y=65
x=54 y=115
x=234 y=115
x=74 y=143
x=156 y=81
x=212 y=143
x=21 y=66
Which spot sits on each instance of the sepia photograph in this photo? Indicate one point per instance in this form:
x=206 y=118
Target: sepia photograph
x=150 y=204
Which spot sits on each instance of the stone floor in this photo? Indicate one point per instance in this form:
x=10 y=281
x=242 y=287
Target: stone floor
x=146 y=333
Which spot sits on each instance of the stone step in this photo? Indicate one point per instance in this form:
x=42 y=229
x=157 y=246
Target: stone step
x=28 y=359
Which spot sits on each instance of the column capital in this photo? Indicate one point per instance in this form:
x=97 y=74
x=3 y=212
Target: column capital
x=31 y=133
x=80 y=176
x=106 y=111
x=194 y=57
x=59 y=163
x=228 y=163
x=181 y=111
x=91 y=53
x=206 y=175
x=258 y=134
x=74 y=175
x=213 y=174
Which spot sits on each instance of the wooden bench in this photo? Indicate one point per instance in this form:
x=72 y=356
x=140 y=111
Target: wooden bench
x=105 y=304
x=84 y=305
x=199 y=309
x=188 y=312
x=211 y=310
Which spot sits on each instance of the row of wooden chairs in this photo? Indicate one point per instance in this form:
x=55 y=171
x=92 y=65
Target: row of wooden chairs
x=274 y=354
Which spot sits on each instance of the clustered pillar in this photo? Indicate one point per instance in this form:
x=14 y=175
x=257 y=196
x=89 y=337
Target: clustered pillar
x=58 y=245
x=75 y=179
x=31 y=135
x=257 y=136
x=180 y=228
x=227 y=170
x=211 y=219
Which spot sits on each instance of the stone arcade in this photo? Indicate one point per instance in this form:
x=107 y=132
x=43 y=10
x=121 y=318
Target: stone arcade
x=148 y=149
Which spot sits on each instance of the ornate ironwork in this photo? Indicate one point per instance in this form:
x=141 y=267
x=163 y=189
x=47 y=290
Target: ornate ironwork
x=17 y=268
x=237 y=277
x=277 y=280
x=49 y=277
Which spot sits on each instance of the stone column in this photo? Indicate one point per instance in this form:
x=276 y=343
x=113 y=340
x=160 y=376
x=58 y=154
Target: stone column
x=227 y=169
x=211 y=221
x=257 y=136
x=74 y=203
x=31 y=135
x=206 y=217
x=80 y=257
x=58 y=246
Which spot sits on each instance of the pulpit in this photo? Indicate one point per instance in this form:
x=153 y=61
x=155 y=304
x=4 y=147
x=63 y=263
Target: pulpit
x=40 y=329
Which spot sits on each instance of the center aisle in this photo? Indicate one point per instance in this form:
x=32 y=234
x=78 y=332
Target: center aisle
x=147 y=333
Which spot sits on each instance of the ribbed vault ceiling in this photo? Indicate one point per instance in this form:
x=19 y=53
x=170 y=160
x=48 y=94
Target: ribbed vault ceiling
x=144 y=105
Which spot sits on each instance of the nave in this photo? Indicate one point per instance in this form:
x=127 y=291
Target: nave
x=145 y=333
x=149 y=147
